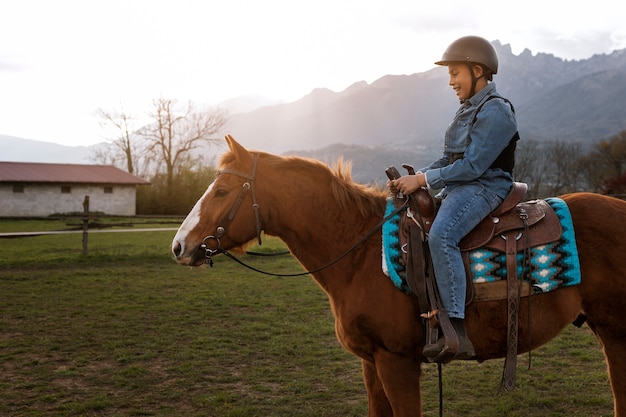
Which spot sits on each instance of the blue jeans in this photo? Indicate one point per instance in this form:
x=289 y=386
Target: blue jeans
x=460 y=211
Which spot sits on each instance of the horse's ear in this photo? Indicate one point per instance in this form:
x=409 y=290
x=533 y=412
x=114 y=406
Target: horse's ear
x=241 y=153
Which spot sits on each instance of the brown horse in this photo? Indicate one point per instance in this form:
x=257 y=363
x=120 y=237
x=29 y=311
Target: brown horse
x=320 y=213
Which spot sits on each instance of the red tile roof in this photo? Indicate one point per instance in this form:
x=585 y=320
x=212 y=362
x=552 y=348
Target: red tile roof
x=65 y=173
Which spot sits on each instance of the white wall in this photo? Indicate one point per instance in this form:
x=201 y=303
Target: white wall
x=46 y=199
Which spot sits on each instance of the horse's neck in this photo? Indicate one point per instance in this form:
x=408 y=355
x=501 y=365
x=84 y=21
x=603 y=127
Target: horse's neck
x=318 y=235
x=313 y=233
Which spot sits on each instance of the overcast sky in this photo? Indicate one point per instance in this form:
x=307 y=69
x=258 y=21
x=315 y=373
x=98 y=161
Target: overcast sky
x=62 y=60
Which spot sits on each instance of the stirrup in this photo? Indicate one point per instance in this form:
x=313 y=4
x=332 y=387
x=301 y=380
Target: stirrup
x=452 y=344
x=440 y=327
x=431 y=350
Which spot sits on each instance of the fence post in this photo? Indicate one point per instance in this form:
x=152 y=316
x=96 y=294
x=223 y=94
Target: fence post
x=85 y=223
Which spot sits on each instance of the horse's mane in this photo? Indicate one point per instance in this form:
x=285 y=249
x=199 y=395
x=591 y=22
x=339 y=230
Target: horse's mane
x=353 y=195
x=368 y=200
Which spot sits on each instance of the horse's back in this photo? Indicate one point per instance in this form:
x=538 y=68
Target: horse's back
x=600 y=228
x=595 y=204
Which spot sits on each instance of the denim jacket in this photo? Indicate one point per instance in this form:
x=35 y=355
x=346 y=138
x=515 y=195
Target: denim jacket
x=479 y=143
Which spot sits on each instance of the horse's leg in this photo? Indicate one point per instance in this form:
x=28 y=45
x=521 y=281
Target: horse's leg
x=600 y=224
x=614 y=347
x=605 y=319
x=377 y=403
x=399 y=376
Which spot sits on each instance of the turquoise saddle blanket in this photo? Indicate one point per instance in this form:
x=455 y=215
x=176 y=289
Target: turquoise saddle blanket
x=552 y=266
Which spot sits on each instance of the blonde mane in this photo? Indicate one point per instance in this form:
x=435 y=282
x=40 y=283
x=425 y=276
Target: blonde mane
x=353 y=195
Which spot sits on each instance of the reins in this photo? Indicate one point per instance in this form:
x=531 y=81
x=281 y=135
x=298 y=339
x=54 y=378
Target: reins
x=313 y=271
x=222 y=227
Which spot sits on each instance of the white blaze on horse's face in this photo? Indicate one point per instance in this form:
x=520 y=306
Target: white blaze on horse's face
x=189 y=224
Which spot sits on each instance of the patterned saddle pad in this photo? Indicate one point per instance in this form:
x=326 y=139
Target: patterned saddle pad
x=552 y=266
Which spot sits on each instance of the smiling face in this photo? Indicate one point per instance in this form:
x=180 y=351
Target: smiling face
x=461 y=79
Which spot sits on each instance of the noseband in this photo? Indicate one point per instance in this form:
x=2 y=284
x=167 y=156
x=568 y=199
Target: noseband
x=222 y=226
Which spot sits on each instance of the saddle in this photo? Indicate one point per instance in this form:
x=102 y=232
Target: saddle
x=530 y=223
x=513 y=228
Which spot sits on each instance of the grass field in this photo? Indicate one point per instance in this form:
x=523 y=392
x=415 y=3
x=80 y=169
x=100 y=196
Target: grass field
x=125 y=331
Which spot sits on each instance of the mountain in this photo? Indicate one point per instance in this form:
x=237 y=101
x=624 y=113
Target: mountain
x=27 y=150
x=244 y=104
x=554 y=99
x=402 y=118
x=591 y=107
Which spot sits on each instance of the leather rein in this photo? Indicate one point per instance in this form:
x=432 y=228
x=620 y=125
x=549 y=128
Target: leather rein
x=222 y=227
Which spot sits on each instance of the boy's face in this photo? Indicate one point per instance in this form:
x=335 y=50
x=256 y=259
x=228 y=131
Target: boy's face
x=461 y=79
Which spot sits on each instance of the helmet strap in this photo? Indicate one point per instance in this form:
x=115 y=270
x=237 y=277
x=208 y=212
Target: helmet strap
x=475 y=79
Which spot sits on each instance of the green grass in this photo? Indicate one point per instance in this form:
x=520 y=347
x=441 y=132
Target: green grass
x=125 y=331
x=65 y=223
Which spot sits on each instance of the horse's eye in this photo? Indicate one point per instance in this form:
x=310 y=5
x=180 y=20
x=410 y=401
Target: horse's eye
x=220 y=193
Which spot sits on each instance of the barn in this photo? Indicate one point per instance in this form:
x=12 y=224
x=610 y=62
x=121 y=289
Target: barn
x=30 y=189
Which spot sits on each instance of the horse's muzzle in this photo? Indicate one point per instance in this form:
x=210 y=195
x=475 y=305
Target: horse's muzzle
x=183 y=257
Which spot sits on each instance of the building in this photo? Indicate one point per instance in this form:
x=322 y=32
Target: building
x=38 y=189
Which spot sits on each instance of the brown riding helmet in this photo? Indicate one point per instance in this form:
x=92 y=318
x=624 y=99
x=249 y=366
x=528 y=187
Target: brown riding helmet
x=471 y=49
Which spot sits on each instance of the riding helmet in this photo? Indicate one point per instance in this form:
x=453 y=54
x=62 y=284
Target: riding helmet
x=471 y=49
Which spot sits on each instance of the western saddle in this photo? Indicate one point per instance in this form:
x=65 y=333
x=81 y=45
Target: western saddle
x=514 y=227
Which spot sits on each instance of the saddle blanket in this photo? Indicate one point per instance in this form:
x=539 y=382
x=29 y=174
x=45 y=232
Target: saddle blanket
x=552 y=266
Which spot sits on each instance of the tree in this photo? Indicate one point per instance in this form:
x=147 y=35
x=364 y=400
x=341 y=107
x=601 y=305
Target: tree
x=191 y=183
x=615 y=186
x=611 y=154
x=564 y=173
x=176 y=131
x=123 y=145
x=591 y=171
x=530 y=165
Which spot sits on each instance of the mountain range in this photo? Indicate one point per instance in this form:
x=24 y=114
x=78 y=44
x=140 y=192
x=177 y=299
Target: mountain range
x=554 y=99
x=405 y=116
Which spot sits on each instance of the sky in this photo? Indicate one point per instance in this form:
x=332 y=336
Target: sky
x=62 y=60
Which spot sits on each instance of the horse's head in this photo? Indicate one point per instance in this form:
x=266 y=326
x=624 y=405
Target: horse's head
x=210 y=227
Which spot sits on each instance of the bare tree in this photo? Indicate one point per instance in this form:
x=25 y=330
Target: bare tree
x=176 y=131
x=551 y=168
x=123 y=144
x=611 y=153
x=529 y=165
x=564 y=174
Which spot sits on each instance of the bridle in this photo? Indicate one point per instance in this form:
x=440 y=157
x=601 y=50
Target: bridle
x=222 y=227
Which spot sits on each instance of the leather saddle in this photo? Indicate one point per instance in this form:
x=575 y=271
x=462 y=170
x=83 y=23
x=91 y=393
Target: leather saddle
x=529 y=223
x=532 y=223
x=513 y=227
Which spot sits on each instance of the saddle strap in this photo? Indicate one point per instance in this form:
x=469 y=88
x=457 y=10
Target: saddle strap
x=416 y=272
x=421 y=280
x=513 y=299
